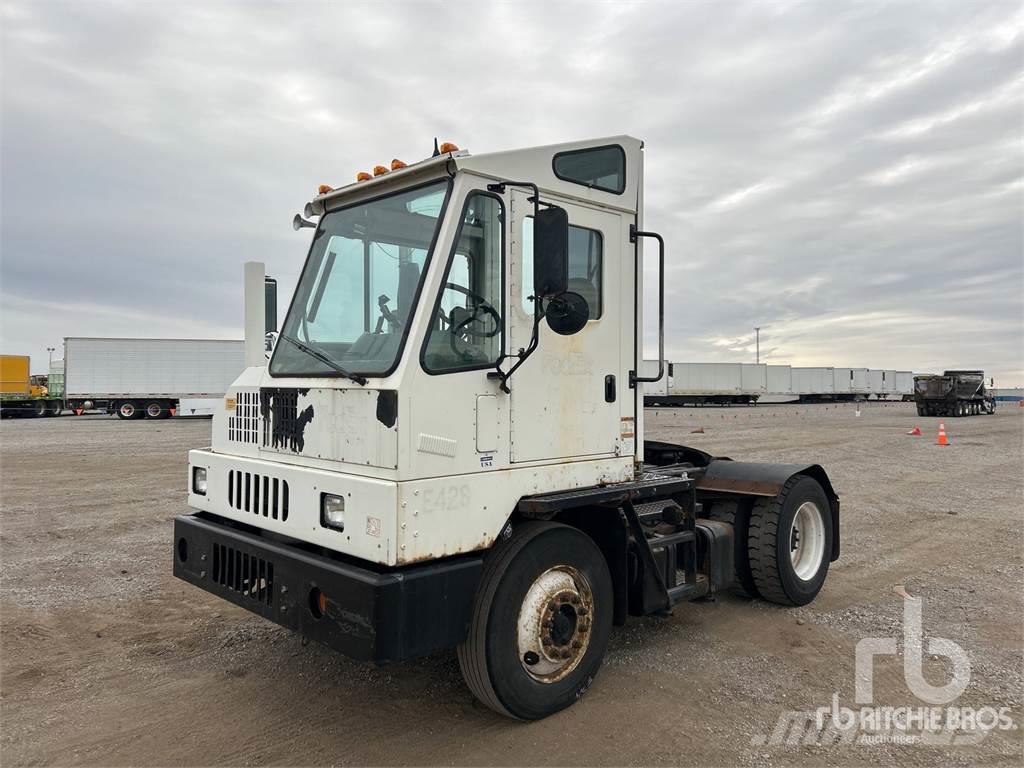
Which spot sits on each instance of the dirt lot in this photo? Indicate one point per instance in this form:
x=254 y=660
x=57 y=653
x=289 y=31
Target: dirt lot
x=108 y=660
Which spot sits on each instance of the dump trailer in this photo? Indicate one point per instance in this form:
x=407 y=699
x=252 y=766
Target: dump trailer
x=22 y=394
x=452 y=454
x=146 y=378
x=954 y=393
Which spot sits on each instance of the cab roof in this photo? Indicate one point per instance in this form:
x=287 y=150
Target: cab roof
x=531 y=164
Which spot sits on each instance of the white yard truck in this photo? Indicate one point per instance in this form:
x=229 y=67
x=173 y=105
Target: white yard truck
x=446 y=448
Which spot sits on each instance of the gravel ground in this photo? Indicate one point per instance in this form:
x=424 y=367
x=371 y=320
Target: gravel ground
x=105 y=659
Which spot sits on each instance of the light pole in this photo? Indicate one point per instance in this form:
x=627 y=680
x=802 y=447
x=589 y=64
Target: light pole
x=51 y=350
x=757 y=337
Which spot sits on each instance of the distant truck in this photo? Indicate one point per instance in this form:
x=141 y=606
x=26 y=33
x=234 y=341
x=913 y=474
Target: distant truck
x=954 y=393
x=24 y=394
x=147 y=378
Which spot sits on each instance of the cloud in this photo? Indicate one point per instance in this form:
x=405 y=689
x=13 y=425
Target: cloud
x=848 y=177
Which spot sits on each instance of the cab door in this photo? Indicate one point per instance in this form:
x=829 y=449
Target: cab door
x=568 y=398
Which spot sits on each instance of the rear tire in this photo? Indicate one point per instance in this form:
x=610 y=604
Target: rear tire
x=129 y=410
x=525 y=619
x=54 y=408
x=39 y=408
x=789 y=542
x=155 y=410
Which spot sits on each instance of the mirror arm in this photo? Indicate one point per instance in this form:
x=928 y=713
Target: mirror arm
x=497 y=373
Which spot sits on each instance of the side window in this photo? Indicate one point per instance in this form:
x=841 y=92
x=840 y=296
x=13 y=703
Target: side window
x=586 y=247
x=467 y=328
x=602 y=168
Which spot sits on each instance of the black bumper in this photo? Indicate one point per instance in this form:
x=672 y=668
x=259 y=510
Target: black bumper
x=371 y=615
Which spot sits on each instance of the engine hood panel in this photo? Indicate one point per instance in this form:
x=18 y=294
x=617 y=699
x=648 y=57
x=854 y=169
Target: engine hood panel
x=355 y=426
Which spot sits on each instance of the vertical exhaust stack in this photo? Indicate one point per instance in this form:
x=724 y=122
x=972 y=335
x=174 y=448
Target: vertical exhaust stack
x=255 y=314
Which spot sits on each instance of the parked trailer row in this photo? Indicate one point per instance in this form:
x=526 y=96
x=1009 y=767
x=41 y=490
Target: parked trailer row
x=147 y=378
x=134 y=378
x=746 y=383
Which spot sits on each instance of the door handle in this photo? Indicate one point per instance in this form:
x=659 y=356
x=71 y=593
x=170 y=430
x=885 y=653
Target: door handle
x=609 y=388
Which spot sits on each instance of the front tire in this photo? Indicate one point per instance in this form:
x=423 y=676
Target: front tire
x=789 y=542
x=541 y=621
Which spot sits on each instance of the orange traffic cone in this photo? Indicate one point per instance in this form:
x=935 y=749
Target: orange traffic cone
x=943 y=440
x=916 y=432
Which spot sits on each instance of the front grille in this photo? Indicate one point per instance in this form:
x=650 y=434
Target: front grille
x=246 y=574
x=259 y=494
x=244 y=426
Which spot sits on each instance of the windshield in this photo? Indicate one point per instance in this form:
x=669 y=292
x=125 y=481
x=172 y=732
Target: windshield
x=356 y=294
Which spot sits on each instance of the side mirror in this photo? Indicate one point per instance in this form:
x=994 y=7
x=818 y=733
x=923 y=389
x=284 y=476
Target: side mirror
x=567 y=313
x=550 y=252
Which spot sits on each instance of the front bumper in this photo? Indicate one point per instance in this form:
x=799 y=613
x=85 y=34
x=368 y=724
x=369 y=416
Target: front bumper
x=370 y=614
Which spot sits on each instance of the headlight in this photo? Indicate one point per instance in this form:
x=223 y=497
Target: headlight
x=199 y=480
x=332 y=511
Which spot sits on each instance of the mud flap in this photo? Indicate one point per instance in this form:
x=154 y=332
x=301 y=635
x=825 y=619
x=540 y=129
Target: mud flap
x=748 y=478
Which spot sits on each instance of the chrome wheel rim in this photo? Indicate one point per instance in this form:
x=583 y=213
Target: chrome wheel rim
x=153 y=411
x=555 y=624
x=807 y=541
x=127 y=410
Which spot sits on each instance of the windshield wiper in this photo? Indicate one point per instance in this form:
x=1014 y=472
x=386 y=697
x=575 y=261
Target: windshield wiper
x=313 y=352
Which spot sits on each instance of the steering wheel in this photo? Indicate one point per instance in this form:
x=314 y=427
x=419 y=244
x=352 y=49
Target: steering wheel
x=463 y=329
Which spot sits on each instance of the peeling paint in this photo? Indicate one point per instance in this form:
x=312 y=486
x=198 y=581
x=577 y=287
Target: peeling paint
x=387 y=407
x=283 y=425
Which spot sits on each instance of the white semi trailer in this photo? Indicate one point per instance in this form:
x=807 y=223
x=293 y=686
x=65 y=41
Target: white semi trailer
x=710 y=384
x=146 y=378
x=447 y=450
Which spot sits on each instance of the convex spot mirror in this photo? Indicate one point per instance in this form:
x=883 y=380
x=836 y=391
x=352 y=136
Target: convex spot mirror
x=550 y=252
x=567 y=313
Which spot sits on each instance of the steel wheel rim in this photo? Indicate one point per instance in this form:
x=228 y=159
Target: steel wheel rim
x=153 y=411
x=555 y=624
x=127 y=410
x=807 y=541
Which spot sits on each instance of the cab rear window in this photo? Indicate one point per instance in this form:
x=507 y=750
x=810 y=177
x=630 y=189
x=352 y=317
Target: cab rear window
x=601 y=168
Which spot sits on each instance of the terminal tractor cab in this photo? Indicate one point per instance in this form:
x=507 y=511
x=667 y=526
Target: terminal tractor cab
x=445 y=449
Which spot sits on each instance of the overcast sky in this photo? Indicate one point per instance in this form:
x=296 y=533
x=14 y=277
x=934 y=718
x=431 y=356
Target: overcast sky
x=850 y=177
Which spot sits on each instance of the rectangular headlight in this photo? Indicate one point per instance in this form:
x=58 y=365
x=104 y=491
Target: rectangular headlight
x=199 y=480
x=332 y=511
